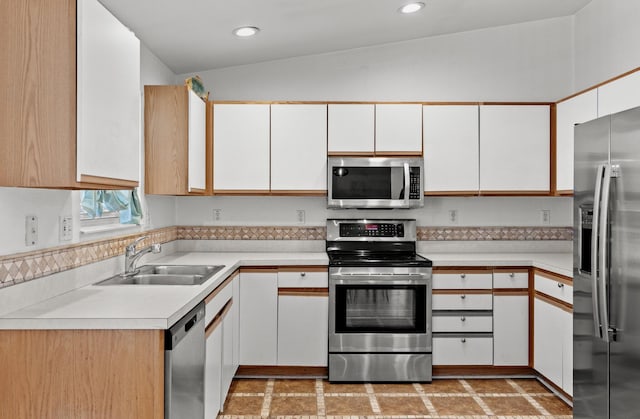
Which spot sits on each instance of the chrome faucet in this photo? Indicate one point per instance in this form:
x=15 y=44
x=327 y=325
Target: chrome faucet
x=131 y=256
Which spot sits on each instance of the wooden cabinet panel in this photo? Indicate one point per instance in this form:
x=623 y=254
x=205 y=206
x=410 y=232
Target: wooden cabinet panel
x=197 y=143
x=351 y=128
x=258 y=318
x=511 y=329
x=573 y=111
x=451 y=148
x=241 y=160
x=299 y=148
x=170 y=158
x=399 y=129
x=108 y=95
x=619 y=95
x=514 y=148
x=89 y=374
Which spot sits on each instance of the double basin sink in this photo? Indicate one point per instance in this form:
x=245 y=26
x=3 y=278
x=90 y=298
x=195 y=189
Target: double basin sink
x=166 y=275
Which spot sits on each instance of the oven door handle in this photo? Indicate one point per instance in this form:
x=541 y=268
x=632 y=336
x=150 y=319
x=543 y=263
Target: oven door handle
x=379 y=279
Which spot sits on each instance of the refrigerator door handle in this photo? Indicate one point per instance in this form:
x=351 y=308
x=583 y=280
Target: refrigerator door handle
x=604 y=251
x=595 y=300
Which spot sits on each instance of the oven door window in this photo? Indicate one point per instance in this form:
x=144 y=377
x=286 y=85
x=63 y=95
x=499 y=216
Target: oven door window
x=368 y=183
x=380 y=309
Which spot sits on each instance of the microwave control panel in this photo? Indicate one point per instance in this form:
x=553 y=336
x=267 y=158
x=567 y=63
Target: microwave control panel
x=414 y=183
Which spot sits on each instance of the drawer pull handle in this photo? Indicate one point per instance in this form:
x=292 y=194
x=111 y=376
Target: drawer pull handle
x=463 y=318
x=303 y=274
x=463 y=340
x=463 y=276
x=560 y=285
x=512 y=274
x=463 y=296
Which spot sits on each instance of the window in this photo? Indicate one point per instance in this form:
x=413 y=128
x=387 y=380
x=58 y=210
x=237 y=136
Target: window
x=109 y=208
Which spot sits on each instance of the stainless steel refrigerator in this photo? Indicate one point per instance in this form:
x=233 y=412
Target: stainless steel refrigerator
x=606 y=267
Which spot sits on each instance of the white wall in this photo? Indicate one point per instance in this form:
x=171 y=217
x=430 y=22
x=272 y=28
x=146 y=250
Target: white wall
x=277 y=210
x=607 y=41
x=523 y=62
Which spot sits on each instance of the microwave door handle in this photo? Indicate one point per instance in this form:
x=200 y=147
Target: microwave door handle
x=595 y=300
x=407 y=185
x=604 y=251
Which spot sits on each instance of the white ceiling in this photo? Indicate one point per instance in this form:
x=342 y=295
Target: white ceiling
x=196 y=35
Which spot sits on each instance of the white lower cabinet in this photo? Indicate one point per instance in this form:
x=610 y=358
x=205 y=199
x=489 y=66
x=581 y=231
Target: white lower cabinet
x=213 y=372
x=462 y=350
x=259 y=317
x=511 y=330
x=303 y=329
x=552 y=344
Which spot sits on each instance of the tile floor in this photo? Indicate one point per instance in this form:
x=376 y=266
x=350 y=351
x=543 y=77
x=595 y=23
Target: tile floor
x=446 y=398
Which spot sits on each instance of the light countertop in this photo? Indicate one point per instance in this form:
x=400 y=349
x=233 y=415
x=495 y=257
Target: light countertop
x=159 y=307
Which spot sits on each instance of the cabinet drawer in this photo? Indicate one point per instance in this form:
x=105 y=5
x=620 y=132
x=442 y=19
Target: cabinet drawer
x=554 y=287
x=215 y=304
x=462 y=322
x=462 y=301
x=311 y=278
x=462 y=350
x=512 y=279
x=463 y=280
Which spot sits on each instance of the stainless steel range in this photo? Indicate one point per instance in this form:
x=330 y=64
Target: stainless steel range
x=379 y=302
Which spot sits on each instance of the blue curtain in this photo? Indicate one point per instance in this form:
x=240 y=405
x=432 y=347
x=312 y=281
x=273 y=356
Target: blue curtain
x=126 y=202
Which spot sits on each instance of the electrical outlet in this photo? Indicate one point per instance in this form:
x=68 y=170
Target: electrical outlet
x=453 y=216
x=217 y=214
x=545 y=217
x=300 y=215
x=31 y=230
x=65 y=223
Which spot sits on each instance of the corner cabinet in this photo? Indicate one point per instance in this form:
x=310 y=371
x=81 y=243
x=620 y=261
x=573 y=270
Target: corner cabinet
x=299 y=149
x=175 y=141
x=70 y=117
x=515 y=149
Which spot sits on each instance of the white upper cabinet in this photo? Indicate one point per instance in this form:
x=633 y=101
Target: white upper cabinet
x=351 y=128
x=240 y=147
x=299 y=147
x=619 y=95
x=108 y=97
x=197 y=143
x=514 y=148
x=399 y=129
x=451 y=148
x=573 y=111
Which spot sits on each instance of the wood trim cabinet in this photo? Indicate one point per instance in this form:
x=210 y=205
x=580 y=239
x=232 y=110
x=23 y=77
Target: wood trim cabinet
x=398 y=129
x=241 y=148
x=351 y=129
x=515 y=149
x=172 y=153
x=91 y=374
x=47 y=140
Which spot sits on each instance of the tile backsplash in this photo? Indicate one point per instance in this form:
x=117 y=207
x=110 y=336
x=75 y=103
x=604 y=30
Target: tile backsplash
x=21 y=267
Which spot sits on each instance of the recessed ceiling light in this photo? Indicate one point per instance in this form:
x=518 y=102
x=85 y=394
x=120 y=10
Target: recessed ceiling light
x=245 y=31
x=411 y=8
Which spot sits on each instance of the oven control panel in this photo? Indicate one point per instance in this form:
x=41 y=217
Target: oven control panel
x=371 y=230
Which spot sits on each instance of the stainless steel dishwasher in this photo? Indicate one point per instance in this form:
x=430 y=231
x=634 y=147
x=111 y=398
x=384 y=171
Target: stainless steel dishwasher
x=184 y=359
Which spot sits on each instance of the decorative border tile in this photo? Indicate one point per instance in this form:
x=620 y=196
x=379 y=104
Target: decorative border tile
x=251 y=233
x=494 y=233
x=21 y=267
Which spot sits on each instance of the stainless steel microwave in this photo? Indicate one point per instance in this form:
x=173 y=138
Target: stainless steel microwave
x=375 y=182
